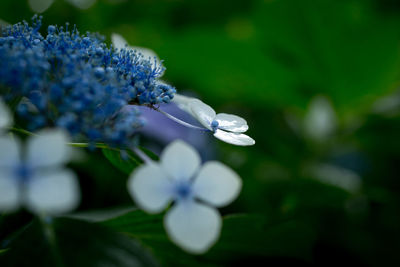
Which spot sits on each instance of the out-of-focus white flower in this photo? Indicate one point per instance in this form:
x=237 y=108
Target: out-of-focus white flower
x=320 y=120
x=226 y=127
x=5 y=116
x=37 y=179
x=119 y=43
x=82 y=4
x=193 y=222
x=40 y=6
x=336 y=176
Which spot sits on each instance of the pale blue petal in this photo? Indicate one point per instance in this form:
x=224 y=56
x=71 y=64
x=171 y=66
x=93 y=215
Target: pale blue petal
x=48 y=148
x=231 y=123
x=193 y=226
x=234 y=138
x=149 y=186
x=217 y=184
x=52 y=192
x=180 y=160
x=202 y=112
x=10 y=149
x=9 y=192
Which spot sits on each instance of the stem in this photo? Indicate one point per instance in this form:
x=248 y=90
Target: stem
x=182 y=122
x=142 y=155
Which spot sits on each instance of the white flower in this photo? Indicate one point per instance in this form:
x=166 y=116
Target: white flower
x=5 y=117
x=36 y=179
x=226 y=127
x=193 y=223
x=119 y=43
x=320 y=120
x=40 y=6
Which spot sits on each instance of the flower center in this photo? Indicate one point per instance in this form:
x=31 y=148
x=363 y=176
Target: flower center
x=214 y=125
x=183 y=190
x=23 y=172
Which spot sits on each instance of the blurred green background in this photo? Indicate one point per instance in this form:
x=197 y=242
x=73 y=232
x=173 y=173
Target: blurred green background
x=317 y=81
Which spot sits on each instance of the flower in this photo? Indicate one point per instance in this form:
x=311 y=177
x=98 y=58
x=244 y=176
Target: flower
x=5 y=116
x=119 y=43
x=77 y=82
x=37 y=179
x=226 y=127
x=193 y=222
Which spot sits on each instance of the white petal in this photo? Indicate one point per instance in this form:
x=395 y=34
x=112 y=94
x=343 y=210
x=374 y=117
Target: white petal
x=9 y=192
x=48 y=148
x=217 y=184
x=180 y=160
x=52 y=192
x=118 y=41
x=202 y=112
x=9 y=151
x=231 y=123
x=183 y=102
x=192 y=226
x=5 y=116
x=149 y=186
x=234 y=138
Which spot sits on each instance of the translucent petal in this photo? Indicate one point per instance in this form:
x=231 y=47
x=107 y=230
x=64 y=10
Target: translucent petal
x=9 y=152
x=217 y=184
x=183 y=102
x=5 y=116
x=202 y=112
x=234 y=138
x=192 y=226
x=180 y=160
x=149 y=186
x=48 y=148
x=231 y=123
x=52 y=192
x=118 y=41
x=9 y=192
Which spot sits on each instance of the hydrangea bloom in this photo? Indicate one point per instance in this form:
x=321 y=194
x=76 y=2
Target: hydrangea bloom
x=193 y=222
x=120 y=43
x=226 y=127
x=36 y=179
x=76 y=82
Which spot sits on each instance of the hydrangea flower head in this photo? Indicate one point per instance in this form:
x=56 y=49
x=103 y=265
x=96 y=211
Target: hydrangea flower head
x=77 y=82
x=120 y=43
x=35 y=177
x=193 y=222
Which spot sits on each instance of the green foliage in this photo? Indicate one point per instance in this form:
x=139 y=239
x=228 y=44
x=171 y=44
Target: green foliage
x=67 y=242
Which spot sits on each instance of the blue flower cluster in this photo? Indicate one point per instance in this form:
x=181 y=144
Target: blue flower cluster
x=77 y=82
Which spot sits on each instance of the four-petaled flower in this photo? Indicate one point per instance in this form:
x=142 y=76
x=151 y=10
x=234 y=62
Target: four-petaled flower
x=226 y=127
x=193 y=223
x=36 y=179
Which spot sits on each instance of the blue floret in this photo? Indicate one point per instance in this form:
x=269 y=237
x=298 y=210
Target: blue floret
x=77 y=82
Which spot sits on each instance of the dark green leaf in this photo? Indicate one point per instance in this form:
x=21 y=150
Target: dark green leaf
x=242 y=236
x=67 y=242
x=125 y=164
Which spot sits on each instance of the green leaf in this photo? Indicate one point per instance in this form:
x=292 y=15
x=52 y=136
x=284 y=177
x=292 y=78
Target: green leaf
x=242 y=236
x=67 y=242
x=126 y=164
